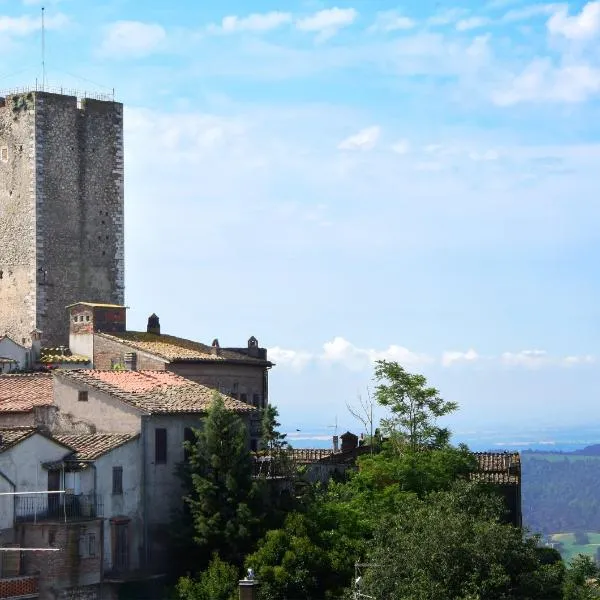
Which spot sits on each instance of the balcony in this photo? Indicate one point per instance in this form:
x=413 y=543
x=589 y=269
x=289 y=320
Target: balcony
x=18 y=587
x=54 y=507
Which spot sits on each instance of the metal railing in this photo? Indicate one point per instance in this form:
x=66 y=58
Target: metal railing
x=59 y=90
x=54 y=507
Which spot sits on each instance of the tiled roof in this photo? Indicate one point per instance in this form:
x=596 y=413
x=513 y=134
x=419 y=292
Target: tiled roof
x=153 y=391
x=174 y=349
x=11 y=436
x=48 y=359
x=89 y=446
x=498 y=467
x=20 y=393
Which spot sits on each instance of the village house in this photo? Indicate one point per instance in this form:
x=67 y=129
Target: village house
x=25 y=398
x=160 y=406
x=99 y=331
x=14 y=356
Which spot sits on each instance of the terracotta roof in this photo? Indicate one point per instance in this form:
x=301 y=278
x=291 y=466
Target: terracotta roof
x=11 y=436
x=174 y=349
x=89 y=446
x=153 y=391
x=20 y=393
x=498 y=467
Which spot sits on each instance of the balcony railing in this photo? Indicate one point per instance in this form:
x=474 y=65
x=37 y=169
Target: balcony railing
x=19 y=587
x=57 y=507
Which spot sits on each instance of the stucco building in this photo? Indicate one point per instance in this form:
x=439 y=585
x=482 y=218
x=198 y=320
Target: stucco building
x=61 y=210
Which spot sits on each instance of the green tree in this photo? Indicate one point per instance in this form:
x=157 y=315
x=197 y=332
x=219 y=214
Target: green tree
x=581 y=579
x=414 y=407
x=218 y=582
x=221 y=492
x=452 y=545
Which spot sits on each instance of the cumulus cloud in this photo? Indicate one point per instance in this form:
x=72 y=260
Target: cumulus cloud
x=472 y=23
x=341 y=351
x=583 y=26
x=365 y=139
x=256 y=22
x=454 y=357
x=327 y=22
x=541 y=81
x=391 y=20
x=296 y=360
x=24 y=25
x=132 y=39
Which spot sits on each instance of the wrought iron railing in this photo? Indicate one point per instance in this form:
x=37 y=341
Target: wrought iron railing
x=57 y=507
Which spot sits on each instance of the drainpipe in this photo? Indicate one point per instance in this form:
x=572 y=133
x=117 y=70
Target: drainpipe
x=14 y=489
x=144 y=440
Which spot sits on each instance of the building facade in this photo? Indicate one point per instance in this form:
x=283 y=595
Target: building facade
x=61 y=210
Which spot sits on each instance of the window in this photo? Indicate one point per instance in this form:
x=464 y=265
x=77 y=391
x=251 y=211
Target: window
x=4 y=154
x=92 y=545
x=188 y=436
x=117 y=480
x=87 y=317
x=83 y=396
x=256 y=400
x=160 y=446
x=244 y=397
x=87 y=544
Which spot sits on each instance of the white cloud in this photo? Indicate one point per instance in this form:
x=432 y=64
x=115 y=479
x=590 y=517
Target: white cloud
x=365 y=139
x=455 y=357
x=132 y=39
x=391 y=20
x=525 y=358
x=583 y=26
x=256 y=22
x=541 y=81
x=472 y=23
x=328 y=22
x=401 y=147
x=587 y=359
x=341 y=351
x=24 y=25
x=296 y=360
x=528 y=12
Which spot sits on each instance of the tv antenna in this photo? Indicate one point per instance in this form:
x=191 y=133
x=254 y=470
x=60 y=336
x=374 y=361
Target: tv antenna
x=335 y=426
x=43 y=50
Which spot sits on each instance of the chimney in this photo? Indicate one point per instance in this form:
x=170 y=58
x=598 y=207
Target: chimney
x=130 y=361
x=248 y=587
x=215 y=347
x=253 y=349
x=153 y=324
x=36 y=345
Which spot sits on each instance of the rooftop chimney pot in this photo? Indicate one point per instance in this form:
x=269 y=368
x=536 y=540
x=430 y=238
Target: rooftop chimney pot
x=153 y=324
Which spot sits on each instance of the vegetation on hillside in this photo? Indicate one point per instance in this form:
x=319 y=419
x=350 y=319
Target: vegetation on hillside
x=409 y=512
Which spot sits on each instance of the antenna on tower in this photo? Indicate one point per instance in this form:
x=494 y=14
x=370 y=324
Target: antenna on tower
x=43 y=51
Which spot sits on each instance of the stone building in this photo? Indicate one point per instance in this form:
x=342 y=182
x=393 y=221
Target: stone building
x=61 y=210
x=100 y=331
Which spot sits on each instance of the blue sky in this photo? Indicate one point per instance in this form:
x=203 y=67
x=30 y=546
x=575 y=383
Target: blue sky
x=357 y=180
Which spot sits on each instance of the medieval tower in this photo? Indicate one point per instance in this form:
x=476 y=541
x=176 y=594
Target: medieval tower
x=61 y=210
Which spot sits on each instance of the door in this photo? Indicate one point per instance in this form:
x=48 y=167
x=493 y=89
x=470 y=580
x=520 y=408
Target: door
x=53 y=486
x=121 y=547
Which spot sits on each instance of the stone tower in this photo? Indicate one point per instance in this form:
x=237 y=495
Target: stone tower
x=61 y=210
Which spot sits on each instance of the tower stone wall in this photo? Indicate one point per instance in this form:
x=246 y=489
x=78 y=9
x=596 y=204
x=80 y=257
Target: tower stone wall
x=61 y=210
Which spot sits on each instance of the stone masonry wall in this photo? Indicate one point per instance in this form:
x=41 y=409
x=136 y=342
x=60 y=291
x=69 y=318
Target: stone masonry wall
x=17 y=218
x=61 y=210
x=77 y=564
x=105 y=351
x=79 y=206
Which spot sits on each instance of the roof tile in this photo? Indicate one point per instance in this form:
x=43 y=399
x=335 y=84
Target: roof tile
x=20 y=393
x=153 y=391
x=175 y=349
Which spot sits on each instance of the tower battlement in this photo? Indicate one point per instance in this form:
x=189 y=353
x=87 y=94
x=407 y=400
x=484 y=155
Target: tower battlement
x=61 y=209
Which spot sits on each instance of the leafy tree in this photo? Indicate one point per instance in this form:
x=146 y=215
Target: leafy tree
x=218 y=582
x=581 y=579
x=452 y=545
x=221 y=491
x=272 y=439
x=414 y=407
